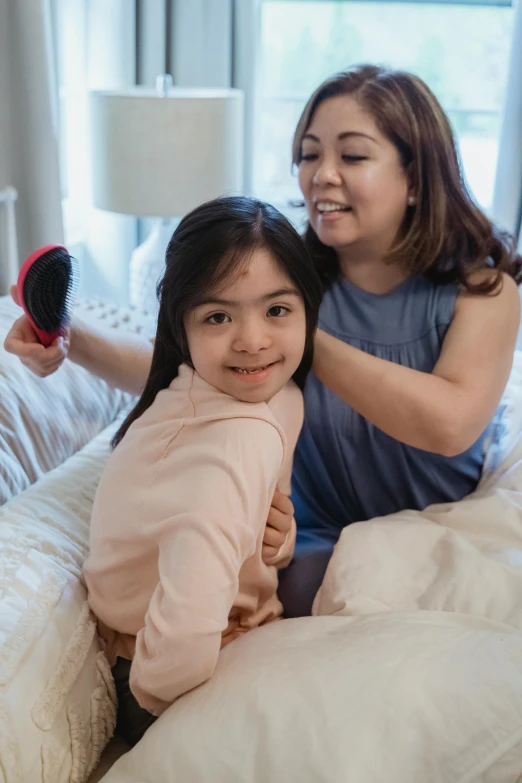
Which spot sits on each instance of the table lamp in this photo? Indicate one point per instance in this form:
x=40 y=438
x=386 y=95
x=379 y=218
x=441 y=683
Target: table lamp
x=160 y=154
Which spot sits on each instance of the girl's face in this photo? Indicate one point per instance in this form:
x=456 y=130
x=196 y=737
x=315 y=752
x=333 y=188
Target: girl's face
x=353 y=183
x=247 y=338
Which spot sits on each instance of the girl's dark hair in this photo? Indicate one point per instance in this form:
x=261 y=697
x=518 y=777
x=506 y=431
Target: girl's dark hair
x=445 y=236
x=211 y=245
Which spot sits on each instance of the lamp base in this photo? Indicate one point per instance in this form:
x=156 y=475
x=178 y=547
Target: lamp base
x=147 y=266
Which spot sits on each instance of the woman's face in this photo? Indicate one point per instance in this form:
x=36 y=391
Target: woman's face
x=354 y=186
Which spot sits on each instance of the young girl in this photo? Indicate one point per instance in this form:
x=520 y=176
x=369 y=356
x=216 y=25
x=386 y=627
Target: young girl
x=175 y=569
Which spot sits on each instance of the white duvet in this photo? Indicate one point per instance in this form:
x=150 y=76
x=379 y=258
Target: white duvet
x=458 y=557
x=413 y=673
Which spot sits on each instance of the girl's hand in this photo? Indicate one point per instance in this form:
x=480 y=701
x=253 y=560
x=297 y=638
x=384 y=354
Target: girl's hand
x=278 y=525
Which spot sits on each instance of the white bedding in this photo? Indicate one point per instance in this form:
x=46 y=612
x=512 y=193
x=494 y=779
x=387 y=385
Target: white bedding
x=364 y=694
x=430 y=692
x=57 y=699
x=459 y=557
x=406 y=697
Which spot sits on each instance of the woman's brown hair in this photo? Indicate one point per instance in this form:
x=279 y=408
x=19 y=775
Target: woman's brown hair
x=445 y=236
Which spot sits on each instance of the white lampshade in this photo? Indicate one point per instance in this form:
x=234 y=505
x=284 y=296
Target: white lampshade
x=155 y=156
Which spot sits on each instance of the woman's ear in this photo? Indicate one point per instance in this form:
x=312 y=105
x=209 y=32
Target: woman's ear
x=411 y=178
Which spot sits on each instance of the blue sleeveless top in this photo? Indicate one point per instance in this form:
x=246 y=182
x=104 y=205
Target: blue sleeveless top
x=346 y=469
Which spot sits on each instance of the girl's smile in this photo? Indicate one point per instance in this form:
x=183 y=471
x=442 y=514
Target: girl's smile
x=254 y=375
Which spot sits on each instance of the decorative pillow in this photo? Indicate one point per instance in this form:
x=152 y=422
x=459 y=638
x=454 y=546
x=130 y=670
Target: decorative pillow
x=57 y=699
x=402 y=698
x=45 y=421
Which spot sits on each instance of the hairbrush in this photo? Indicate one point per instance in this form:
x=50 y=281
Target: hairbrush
x=47 y=285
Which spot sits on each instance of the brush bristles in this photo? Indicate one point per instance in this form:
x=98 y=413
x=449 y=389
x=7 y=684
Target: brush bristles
x=50 y=290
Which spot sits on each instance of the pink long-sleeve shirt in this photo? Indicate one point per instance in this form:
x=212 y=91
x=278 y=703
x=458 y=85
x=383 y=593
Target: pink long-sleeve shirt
x=175 y=568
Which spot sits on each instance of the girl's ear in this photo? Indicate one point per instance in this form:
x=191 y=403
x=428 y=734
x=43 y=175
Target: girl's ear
x=184 y=347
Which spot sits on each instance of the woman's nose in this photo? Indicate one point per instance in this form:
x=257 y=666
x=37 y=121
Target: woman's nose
x=327 y=173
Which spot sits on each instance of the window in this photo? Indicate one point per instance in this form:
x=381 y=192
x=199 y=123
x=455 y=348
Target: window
x=95 y=48
x=460 y=50
x=71 y=57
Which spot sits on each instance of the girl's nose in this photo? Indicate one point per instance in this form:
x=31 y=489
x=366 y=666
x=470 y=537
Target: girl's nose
x=252 y=338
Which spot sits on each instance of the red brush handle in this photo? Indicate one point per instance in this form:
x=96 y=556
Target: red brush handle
x=45 y=338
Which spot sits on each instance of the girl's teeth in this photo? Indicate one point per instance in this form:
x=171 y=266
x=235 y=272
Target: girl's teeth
x=248 y=372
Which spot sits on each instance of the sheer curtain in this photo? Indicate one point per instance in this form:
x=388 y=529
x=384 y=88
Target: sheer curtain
x=200 y=42
x=29 y=159
x=507 y=204
x=51 y=53
x=215 y=43
x=97 y=49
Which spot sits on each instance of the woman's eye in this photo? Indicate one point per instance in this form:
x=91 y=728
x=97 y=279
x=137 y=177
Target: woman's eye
x=353 y=158
x=217 y=319
x=277 y=311
x=309 y=156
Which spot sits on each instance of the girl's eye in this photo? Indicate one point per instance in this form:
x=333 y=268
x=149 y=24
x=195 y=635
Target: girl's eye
x=353 y=158
x=277 y=311
x=310 y=156
x=217 y=319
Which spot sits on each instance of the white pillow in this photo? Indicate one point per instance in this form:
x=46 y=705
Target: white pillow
x=409 y=697
x=57 y=699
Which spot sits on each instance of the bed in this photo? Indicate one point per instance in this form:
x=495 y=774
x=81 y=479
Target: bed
x=408 y=671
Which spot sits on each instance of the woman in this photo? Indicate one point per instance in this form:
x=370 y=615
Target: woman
x=417 y=326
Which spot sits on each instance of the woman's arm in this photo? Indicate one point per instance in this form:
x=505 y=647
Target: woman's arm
x=120 y=358
x=444 y=411
x=208 y=507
